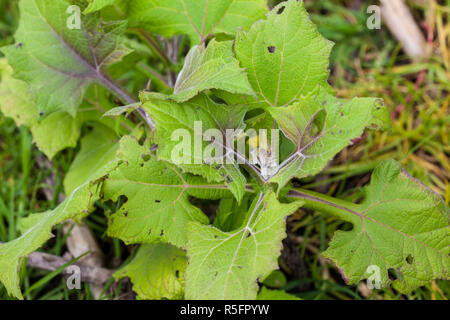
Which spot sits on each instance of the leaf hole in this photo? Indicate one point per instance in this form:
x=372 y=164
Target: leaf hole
x=281 y=10
x=318 y=124
x=271 y=49
x=410 y=259
x=394 y=274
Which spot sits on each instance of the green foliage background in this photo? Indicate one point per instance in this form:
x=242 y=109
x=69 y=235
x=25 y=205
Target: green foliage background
x=363 y=63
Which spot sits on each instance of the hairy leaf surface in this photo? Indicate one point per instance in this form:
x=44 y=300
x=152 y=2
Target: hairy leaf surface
x=285 y=56
x=401 y=225
x=157 y=207
x=226 y=265
x=59 y=130
x=320 y=126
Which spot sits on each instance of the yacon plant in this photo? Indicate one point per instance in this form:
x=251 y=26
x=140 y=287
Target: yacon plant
x=247 y=70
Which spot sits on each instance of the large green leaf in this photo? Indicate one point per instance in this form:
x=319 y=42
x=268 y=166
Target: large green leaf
x=37 y=229
x=191 y=153
x=199 y=19
x=59 y=130
x=227 y=265
x=51 y=135
x=212 y=68
x=285 y=56
x=157 y=272
x=157 y=206
x=60 y=63
x=320 y=126
x=401 y=225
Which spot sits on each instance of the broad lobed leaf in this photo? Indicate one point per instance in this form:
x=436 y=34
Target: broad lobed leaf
x=157 y=206
x=401 y=225
x=60 y=63
x=320 y=126
x=285 y=56
x=227 y=265
x=176 y=135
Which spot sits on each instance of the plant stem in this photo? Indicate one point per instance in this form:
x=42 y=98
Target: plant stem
x=342 y=209
x=153 y=44
x=126 y=98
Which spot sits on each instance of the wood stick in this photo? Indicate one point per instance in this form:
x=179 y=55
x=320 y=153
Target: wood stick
x=401 y=23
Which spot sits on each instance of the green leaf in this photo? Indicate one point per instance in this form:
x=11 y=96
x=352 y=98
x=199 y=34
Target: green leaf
x=199 y=19
x=96 y=5
x=157 y=272
x=212 y=68
x=65 y=125
x=157 y=206
x=60 y=63
x=56 y=132
x=15 y=99
x=98 y=148
x=189 y=122
x=268 y=294
x=285 y=56
x=37 y=229
x=401 y=225
x=53 y=134
x=226 y=265
x=320 y=126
